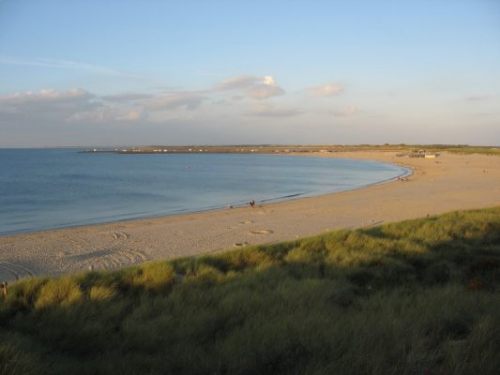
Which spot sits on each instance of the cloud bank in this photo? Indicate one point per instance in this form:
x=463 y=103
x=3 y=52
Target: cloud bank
x=79 y=105
x=47 y=103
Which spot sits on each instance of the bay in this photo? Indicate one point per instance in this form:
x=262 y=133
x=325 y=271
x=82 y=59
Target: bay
x=54 y=188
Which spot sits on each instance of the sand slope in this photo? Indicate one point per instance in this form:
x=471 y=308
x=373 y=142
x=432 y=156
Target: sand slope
x=447 y=183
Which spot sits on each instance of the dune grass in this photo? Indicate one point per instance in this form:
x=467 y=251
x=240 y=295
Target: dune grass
x=457 y=149
x=416 y=297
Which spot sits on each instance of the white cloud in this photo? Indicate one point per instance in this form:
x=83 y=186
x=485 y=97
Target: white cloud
x=47 y=102
x=126 y=97
x=276 y=113
x=237 y=83
x=252 y=86
x=94 y=116
x=329 y=89
x=264 y=91
x=46 y=95
x=108 y=114
x=186 y=100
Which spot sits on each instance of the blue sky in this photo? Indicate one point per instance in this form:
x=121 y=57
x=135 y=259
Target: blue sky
x=142 y=72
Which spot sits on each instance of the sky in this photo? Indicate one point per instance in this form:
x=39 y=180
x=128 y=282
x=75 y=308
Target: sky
x=103 y=73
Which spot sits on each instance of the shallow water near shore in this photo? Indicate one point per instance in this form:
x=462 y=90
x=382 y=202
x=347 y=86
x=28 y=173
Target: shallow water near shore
x=54 y=188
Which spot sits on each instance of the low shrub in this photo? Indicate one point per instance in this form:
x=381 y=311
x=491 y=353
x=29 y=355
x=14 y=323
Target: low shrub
x=153 y=276
x=58 y=292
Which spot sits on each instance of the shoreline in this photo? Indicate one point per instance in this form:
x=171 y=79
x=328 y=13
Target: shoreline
x=408 y=171
x=450 y=182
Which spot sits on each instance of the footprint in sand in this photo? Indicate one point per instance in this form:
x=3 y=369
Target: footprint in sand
x=262 y=231
x=120 y=235
x=246 y=222
x=240 y=244
x=105 y=259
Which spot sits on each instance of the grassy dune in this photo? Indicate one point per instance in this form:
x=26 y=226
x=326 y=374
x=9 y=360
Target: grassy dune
x=417 y=297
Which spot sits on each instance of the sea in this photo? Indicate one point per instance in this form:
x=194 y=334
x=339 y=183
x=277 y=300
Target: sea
x=44 y=189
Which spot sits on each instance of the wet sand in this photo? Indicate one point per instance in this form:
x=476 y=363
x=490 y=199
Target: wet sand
x=449 y=182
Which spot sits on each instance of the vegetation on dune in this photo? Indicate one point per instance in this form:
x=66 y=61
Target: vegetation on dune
x=472 y=150
x=456 y=149
x=417 y=297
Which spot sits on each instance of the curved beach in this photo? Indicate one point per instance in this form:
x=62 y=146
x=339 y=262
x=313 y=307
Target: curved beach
x=449 y=182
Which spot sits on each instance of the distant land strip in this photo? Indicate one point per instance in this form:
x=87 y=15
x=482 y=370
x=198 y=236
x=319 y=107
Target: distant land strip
x=269 y=149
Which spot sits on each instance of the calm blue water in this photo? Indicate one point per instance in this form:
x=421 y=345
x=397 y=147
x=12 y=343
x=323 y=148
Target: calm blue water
x=43 y=189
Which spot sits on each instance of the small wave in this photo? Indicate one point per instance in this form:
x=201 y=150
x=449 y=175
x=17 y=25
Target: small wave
x=283 y=197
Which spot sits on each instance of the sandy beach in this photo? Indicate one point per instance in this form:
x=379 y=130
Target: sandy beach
x=449 y=182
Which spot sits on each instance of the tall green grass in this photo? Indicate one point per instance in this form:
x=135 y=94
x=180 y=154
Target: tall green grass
x=417 y=297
